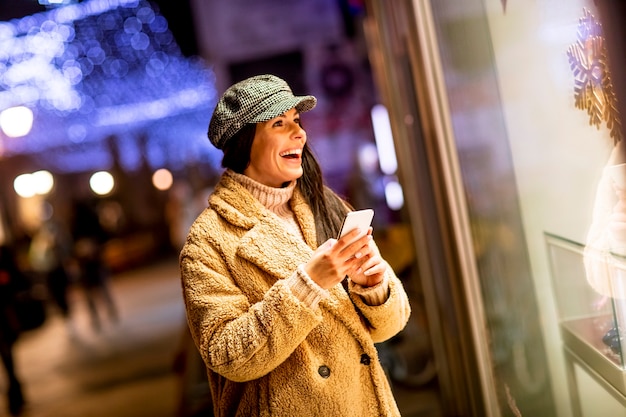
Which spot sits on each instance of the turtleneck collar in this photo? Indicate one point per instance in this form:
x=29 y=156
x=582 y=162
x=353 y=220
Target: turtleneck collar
x=274 y=199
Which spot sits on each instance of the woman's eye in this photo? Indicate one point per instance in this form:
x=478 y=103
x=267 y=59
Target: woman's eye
x=277 y=123
x=296 y=121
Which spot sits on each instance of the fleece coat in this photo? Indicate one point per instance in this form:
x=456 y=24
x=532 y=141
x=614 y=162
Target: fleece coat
x=266 y=352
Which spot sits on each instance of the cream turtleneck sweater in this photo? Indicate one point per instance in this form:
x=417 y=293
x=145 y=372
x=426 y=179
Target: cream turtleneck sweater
x=275 y=200
x=302 y=286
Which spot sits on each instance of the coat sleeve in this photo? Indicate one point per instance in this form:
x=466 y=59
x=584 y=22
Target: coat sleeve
x=388 y=319
x=236 y=339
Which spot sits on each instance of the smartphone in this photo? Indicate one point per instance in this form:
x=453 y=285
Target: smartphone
x=359 y=219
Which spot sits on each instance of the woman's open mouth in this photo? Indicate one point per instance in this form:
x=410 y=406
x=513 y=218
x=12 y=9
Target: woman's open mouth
x=291 y=154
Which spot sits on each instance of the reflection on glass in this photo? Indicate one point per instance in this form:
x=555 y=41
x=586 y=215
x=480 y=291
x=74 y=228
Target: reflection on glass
x=605 y=250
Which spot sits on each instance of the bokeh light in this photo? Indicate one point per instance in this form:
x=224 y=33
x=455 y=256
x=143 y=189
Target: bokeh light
x=162 y=179
x=24 y=185
x=16 y=121
x=102 y=182
x=394 y=195
x=31 y=184
x=384 y=140
x=44 y=181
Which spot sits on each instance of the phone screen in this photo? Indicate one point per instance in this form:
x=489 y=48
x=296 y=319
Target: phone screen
x=359 y=219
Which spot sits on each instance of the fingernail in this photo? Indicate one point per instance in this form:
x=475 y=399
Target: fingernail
x=358 y=255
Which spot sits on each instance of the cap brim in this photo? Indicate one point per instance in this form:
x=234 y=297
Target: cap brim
x=300 y=103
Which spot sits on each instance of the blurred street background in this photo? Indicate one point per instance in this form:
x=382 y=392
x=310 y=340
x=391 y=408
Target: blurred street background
x=104 y=164
x=125 y=369
x=142 y=365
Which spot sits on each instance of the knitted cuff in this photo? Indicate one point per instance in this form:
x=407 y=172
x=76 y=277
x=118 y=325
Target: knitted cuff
x=305 y=289
x=375 y=295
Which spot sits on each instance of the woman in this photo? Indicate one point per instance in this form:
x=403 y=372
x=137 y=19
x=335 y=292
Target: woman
x=284 y=315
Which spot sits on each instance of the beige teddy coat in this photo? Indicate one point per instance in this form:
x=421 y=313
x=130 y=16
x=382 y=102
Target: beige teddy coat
x=266 y=352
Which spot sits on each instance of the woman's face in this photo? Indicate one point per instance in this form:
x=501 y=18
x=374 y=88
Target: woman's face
x=276 y=154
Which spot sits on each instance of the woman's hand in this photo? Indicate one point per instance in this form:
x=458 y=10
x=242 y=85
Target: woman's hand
x=372 y=269
x=335 y=259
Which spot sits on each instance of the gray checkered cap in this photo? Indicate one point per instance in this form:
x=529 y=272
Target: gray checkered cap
x=256 y=99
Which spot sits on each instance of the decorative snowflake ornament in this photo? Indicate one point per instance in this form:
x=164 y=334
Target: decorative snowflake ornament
x=593 y=90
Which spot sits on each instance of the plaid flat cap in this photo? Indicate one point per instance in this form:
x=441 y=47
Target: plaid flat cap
x=256 y=99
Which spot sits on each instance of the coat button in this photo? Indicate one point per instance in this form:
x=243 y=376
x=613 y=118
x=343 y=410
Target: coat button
x=365 y=359
x=324 y=371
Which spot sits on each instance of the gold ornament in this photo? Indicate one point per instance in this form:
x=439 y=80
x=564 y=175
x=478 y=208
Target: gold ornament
x=593 y=90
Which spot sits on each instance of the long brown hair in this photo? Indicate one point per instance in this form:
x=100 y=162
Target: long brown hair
x=327 y=207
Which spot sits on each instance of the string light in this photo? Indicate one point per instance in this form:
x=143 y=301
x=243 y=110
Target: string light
x=100 y=68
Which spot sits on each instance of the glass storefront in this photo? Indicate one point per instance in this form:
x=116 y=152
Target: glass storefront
x=506 y=120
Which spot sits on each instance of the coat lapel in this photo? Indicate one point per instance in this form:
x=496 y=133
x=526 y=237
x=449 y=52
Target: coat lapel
x=263 y=232
x=270 y=237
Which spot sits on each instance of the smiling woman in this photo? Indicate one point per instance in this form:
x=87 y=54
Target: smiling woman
x=275 y=154
x=284 y=315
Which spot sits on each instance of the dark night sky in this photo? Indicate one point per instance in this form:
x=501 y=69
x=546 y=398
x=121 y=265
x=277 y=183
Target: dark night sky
x=177 y=13
x=11 y=9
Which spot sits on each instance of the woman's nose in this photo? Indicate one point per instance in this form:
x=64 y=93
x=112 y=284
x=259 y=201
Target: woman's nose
x=298 y=131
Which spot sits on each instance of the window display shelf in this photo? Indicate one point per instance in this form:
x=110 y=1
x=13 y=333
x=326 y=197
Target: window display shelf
x=582 y=338
x=591 y=306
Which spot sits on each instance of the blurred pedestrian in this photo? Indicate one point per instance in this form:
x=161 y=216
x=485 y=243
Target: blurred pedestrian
x=9 y=326
x=89 y=239
x=49 y=255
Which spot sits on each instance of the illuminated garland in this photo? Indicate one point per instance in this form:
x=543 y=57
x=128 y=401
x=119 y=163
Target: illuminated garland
x=91 y=69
